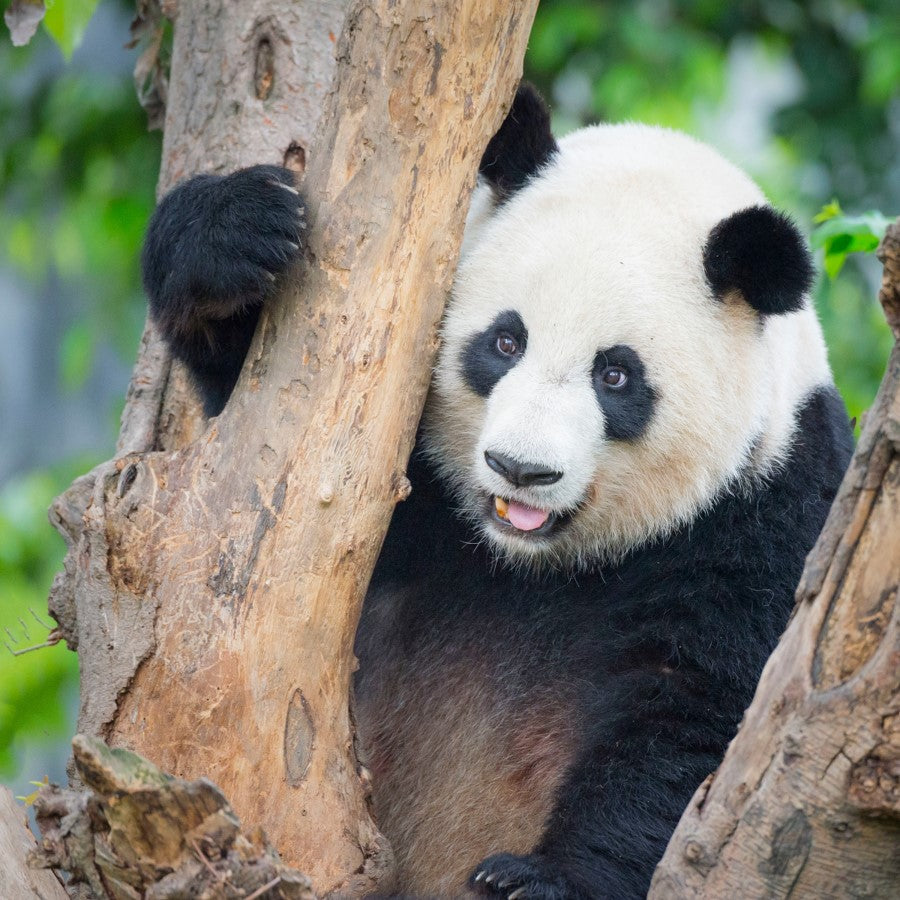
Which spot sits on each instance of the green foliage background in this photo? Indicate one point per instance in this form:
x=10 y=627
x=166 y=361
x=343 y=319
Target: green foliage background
x=78 y=169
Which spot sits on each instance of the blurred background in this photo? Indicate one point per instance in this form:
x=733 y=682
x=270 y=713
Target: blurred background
x=804 y=96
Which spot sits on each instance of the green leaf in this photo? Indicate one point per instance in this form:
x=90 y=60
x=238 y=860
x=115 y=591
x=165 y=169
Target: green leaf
x=36 y=689
x=66 y=21
x=828 y=211
x=29 y=799
x=839 y=234
x=834 y=262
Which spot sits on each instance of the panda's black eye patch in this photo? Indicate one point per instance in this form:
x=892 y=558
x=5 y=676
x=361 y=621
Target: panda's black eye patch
x=490 y=354
x=626 y=397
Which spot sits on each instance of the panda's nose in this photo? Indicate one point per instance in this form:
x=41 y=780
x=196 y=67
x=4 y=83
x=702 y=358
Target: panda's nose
x=521 y=474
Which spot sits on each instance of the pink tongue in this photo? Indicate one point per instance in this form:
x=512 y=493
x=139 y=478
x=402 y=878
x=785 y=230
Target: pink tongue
x=526 y=518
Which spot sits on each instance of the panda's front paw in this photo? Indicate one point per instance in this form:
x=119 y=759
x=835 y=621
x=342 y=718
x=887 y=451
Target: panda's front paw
x=217 y=244
x=531 y=877
x=259 y=220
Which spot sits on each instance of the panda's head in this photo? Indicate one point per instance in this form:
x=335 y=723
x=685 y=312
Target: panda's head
x=629 y=335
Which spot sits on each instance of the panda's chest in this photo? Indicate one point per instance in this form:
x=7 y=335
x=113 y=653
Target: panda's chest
x=467 y=743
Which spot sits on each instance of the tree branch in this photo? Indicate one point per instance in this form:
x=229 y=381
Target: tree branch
x=17 y=877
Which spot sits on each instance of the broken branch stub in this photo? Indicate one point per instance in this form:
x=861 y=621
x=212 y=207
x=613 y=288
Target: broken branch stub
x=136 y=832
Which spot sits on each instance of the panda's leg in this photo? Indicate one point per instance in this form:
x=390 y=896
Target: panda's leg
x=213 y=250
x=616 y=810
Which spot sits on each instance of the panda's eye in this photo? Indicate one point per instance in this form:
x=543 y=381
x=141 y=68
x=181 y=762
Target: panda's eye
x=614 y=377
x=507 y=344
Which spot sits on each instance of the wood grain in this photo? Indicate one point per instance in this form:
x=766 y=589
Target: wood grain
x=135 y=831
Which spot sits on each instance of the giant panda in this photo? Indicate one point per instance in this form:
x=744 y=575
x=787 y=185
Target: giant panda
x=631 y=442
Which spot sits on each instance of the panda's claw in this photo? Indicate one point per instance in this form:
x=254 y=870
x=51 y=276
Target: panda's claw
x=287 y=187
x=532 y=877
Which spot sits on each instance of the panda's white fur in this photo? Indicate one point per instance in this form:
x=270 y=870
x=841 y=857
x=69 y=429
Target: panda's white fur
x=606 y=248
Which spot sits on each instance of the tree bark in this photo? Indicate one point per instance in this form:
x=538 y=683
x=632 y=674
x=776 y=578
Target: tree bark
x=136 y=832
x=17 y=879
x=807 y=800
x=246 y=85
x=216 y=573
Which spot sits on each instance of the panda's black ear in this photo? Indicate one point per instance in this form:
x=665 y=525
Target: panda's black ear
x=523 y=144
x=759 y=252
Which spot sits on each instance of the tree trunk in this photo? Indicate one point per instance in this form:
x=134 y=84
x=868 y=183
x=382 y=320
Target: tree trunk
x=17 y=878
x=246 y=85
x=807 y=800
x=216 y=571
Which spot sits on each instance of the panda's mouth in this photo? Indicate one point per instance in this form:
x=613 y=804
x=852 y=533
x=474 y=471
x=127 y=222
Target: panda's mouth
x=523 y=519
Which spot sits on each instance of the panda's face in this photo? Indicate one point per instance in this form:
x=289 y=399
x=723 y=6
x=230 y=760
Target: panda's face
x=592 y=392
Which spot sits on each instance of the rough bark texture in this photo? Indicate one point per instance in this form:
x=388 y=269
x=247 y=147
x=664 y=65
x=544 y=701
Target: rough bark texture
x=807 y=800
x=221 y=114
x=215 y=576
x=18 y=880
x=246 y=85
x=137 y=833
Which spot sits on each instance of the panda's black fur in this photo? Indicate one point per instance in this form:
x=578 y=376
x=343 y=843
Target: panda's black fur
x=210 y=257
x=583 y=708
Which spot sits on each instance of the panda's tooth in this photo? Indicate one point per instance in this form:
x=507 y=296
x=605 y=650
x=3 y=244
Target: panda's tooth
x=501 y=506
